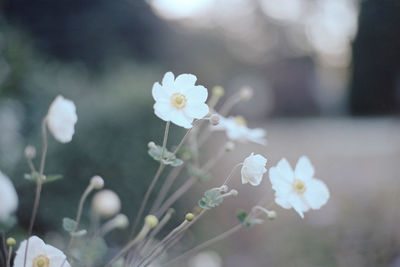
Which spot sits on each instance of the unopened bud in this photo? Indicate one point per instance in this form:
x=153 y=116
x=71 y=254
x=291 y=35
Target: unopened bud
x=189 y=217
x=11 y=241
x=106 y=203
x=229 y=146
x=233 y=192
x=246 y=93
x=151 y=144
x=121 y=221
x=271 y=215
x=196 y=210
x=151 y=220
x=218 y=91
x=214 y=119
x=30 y=152
x=97 y=182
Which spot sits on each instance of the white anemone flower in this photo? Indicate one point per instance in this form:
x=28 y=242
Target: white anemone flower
x=180 y=100
x=40 y=255
x=61 y=119
x=298 y=189
x=8 y=198
x=236 y=130
x=253 y=169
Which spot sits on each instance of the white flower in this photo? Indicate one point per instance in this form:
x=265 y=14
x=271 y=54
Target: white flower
x=298 y=189
x=106 y=203
x=8 y=197
x=61 y=119
x=236 y=129
x=206 y=258
x=253 y=169
x=40 y=255
x=180 y=100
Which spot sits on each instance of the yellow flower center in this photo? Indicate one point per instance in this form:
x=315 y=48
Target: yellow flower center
x=178 y=100
x=239 y=120
x=41 y=261
x=298 y=186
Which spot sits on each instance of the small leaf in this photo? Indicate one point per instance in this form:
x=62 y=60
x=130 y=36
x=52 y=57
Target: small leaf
x=242 y=216
x=52 y=178
x=211 y=199
x=69 y=224
x=79 y=233
x=168 y=158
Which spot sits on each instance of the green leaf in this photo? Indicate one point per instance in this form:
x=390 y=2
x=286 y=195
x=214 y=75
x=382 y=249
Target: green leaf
x=52 y=178
x=247 y=221
x=79 y=233
x=69 y=224
x=168 y=158
x=211 y=199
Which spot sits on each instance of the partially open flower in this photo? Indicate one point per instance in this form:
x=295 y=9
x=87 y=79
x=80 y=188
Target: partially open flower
x=253 y=169
x=8 y=197
x=106 y=203
x=180 y=100
x=40 y=255
x=61 y=119
x=298 y=189
x=236 y=130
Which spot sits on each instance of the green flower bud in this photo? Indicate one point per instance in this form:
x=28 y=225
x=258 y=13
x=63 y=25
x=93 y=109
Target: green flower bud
x=151 y=220
x=189 y=217
x=11 y=241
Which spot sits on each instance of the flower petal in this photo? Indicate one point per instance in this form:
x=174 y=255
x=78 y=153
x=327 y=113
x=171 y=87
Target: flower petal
x=168 y=79
x=317 y=193
x=285 y=170
x=163 y=110
x=298 y=204
x=279 y=183
x=197 y=94
x=160 y=93
x=197 y=111
x=304 y=170
x=185 y=82
x=179 y=118
x=283 y=202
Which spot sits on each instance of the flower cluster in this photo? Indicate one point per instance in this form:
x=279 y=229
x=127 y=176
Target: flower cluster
x=180 y=101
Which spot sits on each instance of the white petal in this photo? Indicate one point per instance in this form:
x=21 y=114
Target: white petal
x=283 y=202
x=185 y=82
x=56 y=256
x=255 y=180
x=317 y=193
x=160 y=93
x=163 y=110
x=168 y=79
x=197 y=111
x=285 y=170
x=179 y=118
x=304 y=170
x=279 y=183
x=298 y=204
x=197 y=94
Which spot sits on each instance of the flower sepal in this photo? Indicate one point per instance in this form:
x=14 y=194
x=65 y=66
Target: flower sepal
x=168 y=158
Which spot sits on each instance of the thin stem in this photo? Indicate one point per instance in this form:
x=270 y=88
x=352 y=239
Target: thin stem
x=79 y=213
x=183 y=140
x=38 y=186
x=31 y=166
x=10 y=249
x=176 y=195
x=153 y=182
x=209 y=164
x=229 y=103
x=165 y=188
x=142 y=234
x=231 y=174
x=206 y=243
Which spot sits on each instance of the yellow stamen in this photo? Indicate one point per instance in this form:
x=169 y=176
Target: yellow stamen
x=41 y=261
x=298 y=186
x=239 y=120
x=178 y=100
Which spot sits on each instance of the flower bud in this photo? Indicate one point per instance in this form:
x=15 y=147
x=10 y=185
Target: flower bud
x=223 y=188
x=151 y=144
x=233 y=192
x=151 y=220
x=106 y=203
x=218 y=91
x=30 y=152
x=97 y=182
x=121 y=221
x=11 y=241
x=196 y=210
x=189 y=217
x=229 y=146
x=271 y=215
x=246 y=93
x=214 y=119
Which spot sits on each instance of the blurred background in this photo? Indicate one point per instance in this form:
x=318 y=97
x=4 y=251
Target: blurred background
x=326 y=76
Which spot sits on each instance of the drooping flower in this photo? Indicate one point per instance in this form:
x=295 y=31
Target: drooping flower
x=253 y=169
x=236 y=130
x=298 y=189
x=180 y=100
x=40 y=255
x=8 y=197
x=106 y=203
x=61 y=119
